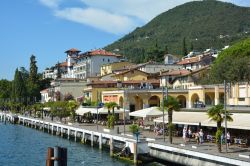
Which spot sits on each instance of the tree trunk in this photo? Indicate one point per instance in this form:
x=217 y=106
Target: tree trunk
x=113 y=111
x=219 y=142
x=170 y=119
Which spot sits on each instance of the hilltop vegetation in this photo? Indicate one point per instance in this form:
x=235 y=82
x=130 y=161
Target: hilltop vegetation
x=203 y=24
x=233 y=64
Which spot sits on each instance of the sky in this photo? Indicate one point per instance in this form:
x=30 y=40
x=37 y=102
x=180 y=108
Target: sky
x=47 y=28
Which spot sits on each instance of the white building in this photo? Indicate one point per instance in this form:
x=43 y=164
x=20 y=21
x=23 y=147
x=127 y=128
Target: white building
x=89 y=63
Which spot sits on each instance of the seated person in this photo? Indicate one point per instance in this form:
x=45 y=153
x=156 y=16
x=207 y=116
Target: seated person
x=159 y=132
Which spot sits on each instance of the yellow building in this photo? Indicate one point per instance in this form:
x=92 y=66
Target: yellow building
x=135 y=99
x=109 y=68
x=134 y=74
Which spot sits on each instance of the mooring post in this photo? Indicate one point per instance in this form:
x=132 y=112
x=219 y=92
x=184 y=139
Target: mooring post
x=68 y=133
x=92 y=138
x=75 y=135
x=61 y=131
x=57 y=156
x=135 y=153
x=50 y=155
x=83 y=137
x=48 y=127
x=100 y=141
x=111 y=147
x=64 y=156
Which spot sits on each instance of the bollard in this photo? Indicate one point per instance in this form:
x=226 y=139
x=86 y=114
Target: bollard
x=92 y=139
x=61 y=132
x=111 y=147
x=68 y=133
x=100 y=141
x=57 y=156
x=50 y=155
x=64 y=156
x=135 y=153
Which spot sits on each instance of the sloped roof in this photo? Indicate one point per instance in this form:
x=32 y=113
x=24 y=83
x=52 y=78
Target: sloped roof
x=72 y=50
x=178 y=72
x=189 y=60
x=99 y=52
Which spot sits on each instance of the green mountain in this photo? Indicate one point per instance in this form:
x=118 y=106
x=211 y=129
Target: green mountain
x=203 y=24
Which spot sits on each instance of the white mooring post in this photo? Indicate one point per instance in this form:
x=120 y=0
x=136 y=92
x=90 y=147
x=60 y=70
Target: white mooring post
x=100 y=141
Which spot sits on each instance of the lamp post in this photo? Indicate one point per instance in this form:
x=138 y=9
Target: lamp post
x=97 y=118
x=124 y=107
x=225 y=107
x=163 y=118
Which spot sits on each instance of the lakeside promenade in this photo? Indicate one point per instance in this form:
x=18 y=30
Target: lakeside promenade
x=235 y=154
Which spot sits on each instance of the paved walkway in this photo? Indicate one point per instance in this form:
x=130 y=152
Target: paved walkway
x=207 y=147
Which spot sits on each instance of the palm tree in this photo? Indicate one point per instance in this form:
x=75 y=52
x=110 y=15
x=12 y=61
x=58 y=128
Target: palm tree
x=217 y=114
x=71 y=106
x=111 y=118
x=111 y=105
x=172 y=104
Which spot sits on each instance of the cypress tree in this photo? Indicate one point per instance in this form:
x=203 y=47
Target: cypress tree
x=18 y=86
x=33 y=70
x=58 y=75
x=184 y=47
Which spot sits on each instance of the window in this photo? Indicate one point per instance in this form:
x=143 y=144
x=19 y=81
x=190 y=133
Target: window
x=241 y=99
x=108 y=60
x=103 y=59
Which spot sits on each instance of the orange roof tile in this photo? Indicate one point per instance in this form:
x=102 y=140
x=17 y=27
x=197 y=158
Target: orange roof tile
x=176 y=72
x=72 y=50
x=63 y=64
x=100 y=52
x=189 y=60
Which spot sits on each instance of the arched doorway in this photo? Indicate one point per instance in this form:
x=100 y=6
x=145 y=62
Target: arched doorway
x=154 y=101
x=209 y=99
x=138 y=103
x=121 y=102
x=194 y=100
x=182 y=100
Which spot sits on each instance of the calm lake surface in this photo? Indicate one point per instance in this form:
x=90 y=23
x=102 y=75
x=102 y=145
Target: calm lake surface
x=22 y=146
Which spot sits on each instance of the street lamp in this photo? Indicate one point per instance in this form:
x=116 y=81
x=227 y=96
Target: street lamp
x=163 y=118
x=225 y=107
x=124 y=107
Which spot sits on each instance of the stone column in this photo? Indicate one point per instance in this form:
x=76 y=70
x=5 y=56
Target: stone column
x=216 y=95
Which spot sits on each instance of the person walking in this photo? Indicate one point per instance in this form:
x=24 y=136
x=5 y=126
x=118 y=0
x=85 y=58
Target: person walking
x=184 y=134
x=197 y=138
x=201 y=136
x=228 y=139
x=189 y=133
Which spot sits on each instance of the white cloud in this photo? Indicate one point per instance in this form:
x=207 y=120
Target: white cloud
x=51 y=3
x=116 y=16
x=141 y=9
x=97 y=18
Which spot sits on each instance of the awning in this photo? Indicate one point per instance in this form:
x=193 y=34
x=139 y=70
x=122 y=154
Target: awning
x=104 y=110
x=46 y=108
x=187 y=118
x=240 y=120
x=147 y=112
x=83 y=110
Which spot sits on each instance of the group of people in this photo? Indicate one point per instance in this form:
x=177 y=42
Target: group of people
x=158 y=130
x=188 y=134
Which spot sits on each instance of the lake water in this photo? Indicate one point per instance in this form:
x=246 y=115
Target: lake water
x=22 y=146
